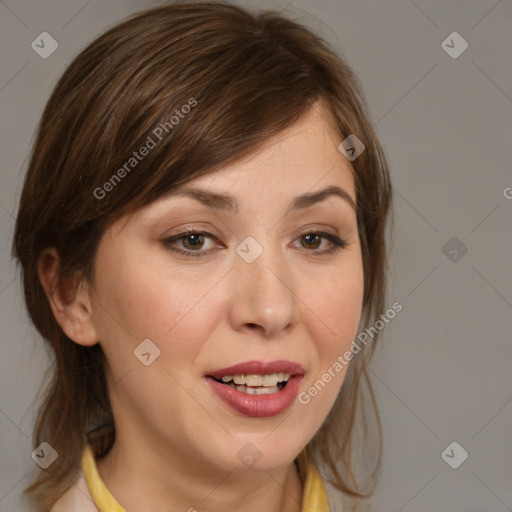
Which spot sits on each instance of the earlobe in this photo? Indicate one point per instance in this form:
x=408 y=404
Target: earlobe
x=69 y=299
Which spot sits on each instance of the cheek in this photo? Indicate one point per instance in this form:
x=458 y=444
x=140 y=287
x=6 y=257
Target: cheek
x=335 y=309
x=333 y=319
x=137 y=302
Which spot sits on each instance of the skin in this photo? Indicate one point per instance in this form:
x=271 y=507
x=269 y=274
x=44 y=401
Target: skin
x=177 y=443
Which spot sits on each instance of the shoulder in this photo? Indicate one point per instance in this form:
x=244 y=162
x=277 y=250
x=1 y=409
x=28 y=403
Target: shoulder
x=76 y=499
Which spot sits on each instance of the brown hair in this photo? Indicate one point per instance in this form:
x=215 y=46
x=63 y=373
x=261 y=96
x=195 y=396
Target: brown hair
x=250 y=76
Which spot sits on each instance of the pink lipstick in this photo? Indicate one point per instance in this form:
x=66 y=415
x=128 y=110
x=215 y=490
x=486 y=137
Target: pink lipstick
x=257 y=389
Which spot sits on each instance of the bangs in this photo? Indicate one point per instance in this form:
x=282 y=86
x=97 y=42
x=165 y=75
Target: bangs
x=198 y=98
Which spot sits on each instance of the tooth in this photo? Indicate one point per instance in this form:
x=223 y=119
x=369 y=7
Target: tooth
x=255 y=391
x=253 y=380
x=266 y=391
x=270 y=380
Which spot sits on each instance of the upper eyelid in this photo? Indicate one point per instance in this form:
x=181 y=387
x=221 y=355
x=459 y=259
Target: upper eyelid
x=199 y=231
x=214 y=238
x=314 y=228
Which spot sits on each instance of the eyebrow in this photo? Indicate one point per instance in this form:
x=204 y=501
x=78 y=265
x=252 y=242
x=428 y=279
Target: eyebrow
x=230 y=203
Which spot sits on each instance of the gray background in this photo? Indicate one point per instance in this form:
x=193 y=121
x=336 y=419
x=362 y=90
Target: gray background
x=441 y=373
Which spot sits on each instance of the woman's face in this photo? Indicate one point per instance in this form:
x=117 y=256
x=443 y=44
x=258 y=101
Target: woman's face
x=260 y=285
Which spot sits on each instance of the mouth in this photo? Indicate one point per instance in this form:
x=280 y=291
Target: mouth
x=253 y=384
x=257 y=389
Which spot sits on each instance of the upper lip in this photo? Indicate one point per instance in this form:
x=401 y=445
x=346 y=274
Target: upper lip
x=259 y=368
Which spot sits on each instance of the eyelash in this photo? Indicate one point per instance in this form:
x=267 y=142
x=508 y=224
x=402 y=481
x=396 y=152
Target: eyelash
x=338 y=243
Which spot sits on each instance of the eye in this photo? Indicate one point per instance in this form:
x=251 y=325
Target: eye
x=191 y=243
x=312 y=241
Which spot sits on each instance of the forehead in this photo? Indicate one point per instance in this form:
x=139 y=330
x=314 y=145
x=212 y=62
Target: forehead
x=293 y=170
x=303 y=157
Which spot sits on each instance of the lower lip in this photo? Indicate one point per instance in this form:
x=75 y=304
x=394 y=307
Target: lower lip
x=258 y=406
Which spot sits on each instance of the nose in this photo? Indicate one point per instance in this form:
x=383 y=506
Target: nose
x=263 y=296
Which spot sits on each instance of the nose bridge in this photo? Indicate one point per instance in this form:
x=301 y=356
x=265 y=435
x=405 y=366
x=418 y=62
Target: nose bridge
x=263 y=288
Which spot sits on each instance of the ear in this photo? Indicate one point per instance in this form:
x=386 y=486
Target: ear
x=69 y=299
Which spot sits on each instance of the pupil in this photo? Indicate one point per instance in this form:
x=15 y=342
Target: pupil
x=311 y=238
x=196 y=240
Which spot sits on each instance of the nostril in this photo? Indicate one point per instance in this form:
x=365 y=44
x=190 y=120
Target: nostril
x=258 y=327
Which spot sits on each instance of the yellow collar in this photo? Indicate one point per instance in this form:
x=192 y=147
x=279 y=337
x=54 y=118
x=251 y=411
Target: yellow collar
x=315 y=495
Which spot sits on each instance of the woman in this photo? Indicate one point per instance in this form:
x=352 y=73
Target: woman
x=202 y=235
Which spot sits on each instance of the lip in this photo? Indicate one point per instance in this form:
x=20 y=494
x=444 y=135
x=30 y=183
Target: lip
x=259 y=368
x=258 y=406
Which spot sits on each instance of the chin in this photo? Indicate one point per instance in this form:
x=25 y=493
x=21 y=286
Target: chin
x=259 y=452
